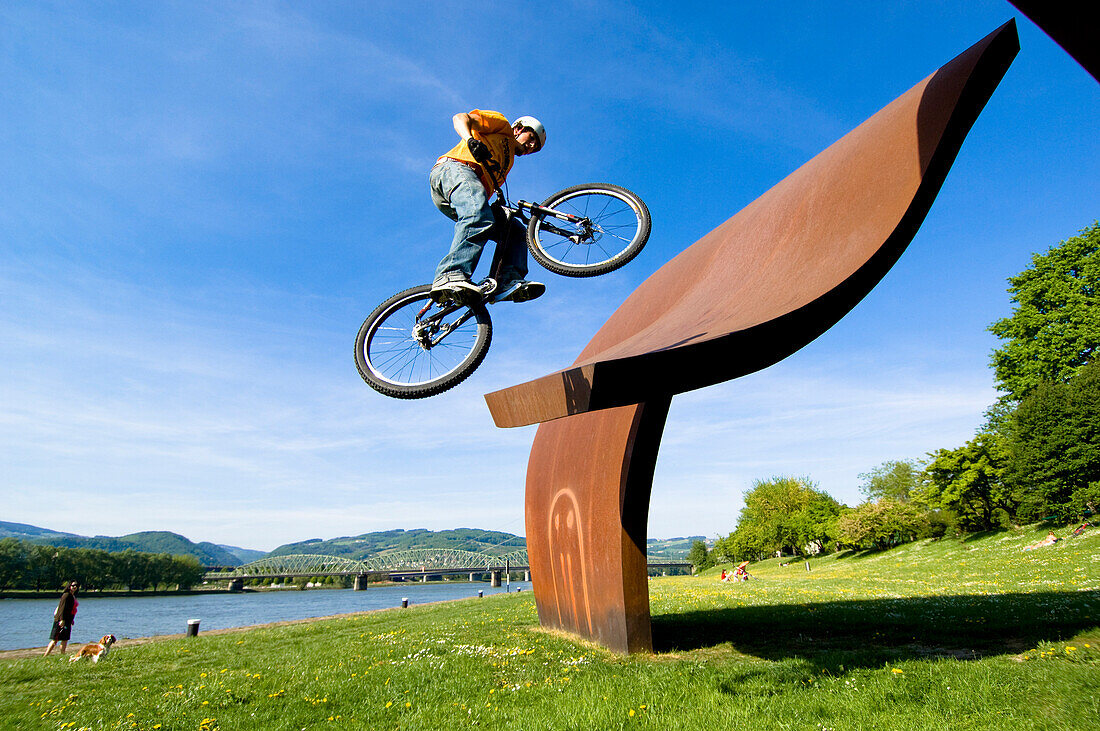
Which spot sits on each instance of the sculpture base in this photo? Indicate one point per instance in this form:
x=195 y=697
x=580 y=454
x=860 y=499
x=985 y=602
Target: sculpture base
x=588 y=485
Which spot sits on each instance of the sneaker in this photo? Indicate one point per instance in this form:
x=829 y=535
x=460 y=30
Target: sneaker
x=520 y=290
x=456 y=286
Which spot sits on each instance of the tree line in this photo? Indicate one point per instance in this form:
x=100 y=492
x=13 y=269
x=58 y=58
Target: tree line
x=26 y=565
x=1036 y=457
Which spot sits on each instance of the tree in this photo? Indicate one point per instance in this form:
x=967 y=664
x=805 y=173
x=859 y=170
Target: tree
x=186 y=571
x=882 y=524
x=1054 y=329
x=968 y=482
x=13 y=562
x=42 y=571
x=1053 y=447
x=781 y=514
x=894 y=480
x=699 y=556
x=132 y=569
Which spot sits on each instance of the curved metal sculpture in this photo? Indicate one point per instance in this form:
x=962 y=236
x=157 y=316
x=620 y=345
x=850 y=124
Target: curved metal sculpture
x=756 y=289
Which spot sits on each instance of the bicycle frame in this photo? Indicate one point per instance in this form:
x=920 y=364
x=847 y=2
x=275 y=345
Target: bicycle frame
x=584 y=223
x=580 y=231
x=429 y=332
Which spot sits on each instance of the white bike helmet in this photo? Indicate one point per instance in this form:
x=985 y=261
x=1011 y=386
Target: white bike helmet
x=535 y=126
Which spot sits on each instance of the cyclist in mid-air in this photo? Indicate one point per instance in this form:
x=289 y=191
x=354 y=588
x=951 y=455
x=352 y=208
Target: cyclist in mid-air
x=462 y=182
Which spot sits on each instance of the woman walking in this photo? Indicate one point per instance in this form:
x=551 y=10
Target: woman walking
x=63 y=618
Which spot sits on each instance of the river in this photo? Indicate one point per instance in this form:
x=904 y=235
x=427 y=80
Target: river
x=26 y=622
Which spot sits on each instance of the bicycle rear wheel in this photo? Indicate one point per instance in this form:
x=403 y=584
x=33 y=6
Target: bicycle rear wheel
x=594 y=229
x=410 y=347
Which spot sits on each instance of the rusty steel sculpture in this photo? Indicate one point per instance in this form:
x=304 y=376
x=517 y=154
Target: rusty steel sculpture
x=753 y=291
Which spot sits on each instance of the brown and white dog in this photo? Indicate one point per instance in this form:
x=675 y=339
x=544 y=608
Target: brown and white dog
x=95 y=651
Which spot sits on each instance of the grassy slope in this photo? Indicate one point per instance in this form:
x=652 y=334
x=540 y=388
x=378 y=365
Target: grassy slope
x=973 y=634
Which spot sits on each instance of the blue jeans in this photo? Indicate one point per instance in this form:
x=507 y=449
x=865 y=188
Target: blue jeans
x=459 y=194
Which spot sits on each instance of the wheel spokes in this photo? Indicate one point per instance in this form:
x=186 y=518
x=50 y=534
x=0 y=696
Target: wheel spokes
x=612 y=218
x=396 y=356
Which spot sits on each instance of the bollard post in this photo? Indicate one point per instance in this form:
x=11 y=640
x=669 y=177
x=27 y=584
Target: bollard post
x=404 y=602
x=480 y=593
x=192 y=628
x=807 y=566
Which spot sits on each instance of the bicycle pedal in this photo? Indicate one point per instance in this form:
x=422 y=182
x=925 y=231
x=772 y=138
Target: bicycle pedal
x=487 y=286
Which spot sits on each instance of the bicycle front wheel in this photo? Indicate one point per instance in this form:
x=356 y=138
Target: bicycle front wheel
x=410 y=347
x=591 y=229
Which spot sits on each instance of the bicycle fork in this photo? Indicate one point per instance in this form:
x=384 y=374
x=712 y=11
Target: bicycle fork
x=429 y=332
x=587 y=229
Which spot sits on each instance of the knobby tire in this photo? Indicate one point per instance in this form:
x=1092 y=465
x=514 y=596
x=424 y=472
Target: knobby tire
x=622 y=227
x=391 y=360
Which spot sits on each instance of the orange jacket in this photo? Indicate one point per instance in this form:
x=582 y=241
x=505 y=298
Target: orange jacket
x=495 y=131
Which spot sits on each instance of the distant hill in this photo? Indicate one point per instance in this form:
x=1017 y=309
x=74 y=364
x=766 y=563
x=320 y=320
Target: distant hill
x=671 y=548
x=23 y=531
x=495 y=543
x=356 y=547
x=208 y=554
x=245 y=555
x=463 y=539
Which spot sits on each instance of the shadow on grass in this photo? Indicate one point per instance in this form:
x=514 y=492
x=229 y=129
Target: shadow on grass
x=842 y=635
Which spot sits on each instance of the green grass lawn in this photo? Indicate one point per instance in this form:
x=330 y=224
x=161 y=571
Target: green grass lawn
x=951 y=634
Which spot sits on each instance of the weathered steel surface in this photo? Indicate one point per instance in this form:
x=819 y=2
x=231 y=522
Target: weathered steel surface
x=587 y=505
x=750 y=293
x=788 y=266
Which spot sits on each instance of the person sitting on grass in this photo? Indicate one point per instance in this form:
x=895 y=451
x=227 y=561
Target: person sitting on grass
x=1050 y=540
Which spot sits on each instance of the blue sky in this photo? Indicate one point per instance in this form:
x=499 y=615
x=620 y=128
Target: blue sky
x=202 y=201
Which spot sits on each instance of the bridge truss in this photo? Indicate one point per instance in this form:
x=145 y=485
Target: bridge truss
x=414 y=559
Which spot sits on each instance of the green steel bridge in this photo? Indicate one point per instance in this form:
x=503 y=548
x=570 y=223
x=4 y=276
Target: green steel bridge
x=414 y=561
x=395 y=565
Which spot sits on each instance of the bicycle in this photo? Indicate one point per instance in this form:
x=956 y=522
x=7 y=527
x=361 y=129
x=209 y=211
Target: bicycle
x=412 y=347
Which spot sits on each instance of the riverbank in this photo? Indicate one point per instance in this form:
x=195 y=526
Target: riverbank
x=116 y=593
x=137 y=641
x=55 y=593
x=31 y=652
x=933 y=635
x=128 y=617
